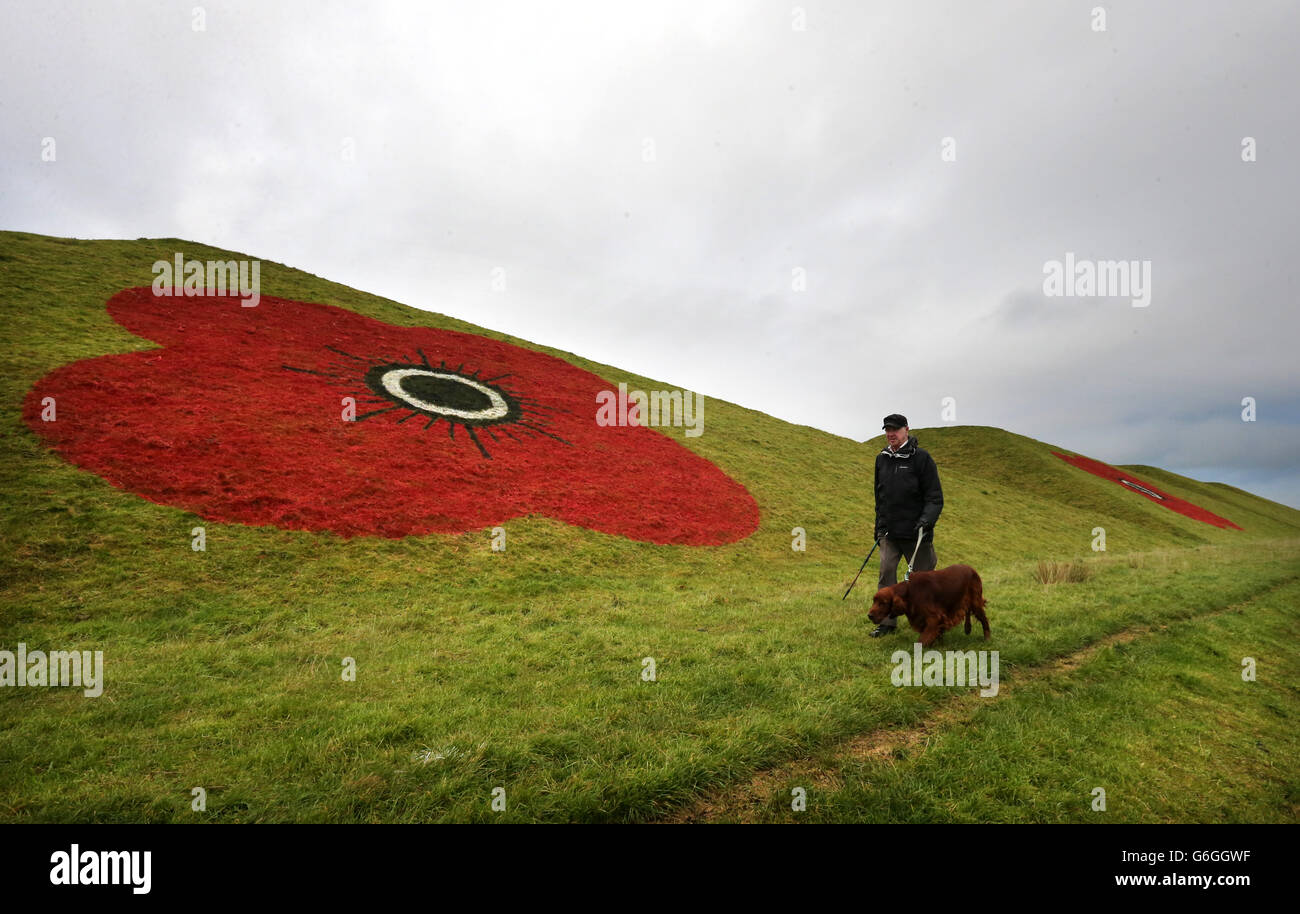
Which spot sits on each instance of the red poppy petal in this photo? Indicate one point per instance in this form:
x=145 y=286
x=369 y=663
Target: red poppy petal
x=1132 y=483
x=239 y=418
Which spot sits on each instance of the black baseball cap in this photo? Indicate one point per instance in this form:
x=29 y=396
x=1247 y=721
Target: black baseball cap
x=894 y=420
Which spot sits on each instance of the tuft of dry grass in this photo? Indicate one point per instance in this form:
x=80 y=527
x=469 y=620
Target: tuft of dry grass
x=1062 y=572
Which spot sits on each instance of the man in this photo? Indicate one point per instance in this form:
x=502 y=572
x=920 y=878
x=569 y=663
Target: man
x=908 y=502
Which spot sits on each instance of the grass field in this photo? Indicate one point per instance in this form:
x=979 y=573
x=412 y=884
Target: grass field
x=522 y=670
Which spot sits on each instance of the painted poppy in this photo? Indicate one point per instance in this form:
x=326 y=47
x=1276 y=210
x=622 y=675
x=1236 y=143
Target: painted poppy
x=310 y=417
x=1145 y=489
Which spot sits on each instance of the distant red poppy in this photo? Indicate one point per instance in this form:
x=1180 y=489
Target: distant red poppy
x=1146 y=490
x=240 y=417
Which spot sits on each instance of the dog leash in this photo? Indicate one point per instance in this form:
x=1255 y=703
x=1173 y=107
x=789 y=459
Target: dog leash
x=920 y=536
x=864 y=565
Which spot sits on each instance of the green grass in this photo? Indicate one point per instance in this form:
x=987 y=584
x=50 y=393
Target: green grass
x=1164 y=724
x=522 y=670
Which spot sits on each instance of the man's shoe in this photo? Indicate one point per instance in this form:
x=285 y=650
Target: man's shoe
x=882 y=630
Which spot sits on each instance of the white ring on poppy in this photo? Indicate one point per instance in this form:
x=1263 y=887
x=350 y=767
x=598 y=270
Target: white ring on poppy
x=392 y=382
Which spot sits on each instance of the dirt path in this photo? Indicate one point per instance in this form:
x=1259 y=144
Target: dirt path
x=742 y=802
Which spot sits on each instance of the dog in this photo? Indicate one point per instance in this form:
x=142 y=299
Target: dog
x=934 y=601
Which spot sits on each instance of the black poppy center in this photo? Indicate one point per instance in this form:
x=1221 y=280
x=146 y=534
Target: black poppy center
x=448 y=392
x=443 y=392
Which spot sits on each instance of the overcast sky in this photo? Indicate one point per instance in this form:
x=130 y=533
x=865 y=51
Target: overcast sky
x=655 y=182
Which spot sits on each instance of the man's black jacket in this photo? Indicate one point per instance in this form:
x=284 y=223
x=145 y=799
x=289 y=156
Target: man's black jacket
x=908 y=494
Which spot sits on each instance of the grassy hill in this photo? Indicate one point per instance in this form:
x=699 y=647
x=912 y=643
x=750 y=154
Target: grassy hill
x=522 y=670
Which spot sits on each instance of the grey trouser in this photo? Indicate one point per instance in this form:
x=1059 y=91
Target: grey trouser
x=891 y=551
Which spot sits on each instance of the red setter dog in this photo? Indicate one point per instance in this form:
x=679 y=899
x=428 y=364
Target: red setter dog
x=934 y=601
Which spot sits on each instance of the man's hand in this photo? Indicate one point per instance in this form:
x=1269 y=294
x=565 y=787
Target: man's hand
x=881 y=533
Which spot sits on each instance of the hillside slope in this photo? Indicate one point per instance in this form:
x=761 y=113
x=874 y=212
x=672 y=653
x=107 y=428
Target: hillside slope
x=525 y=667
x=1001 y=487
